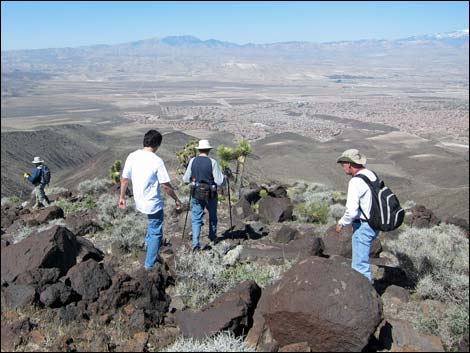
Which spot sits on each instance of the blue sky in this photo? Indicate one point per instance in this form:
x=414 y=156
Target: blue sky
x=50 y=24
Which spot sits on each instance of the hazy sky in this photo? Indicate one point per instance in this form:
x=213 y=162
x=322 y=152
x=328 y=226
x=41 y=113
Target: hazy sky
x=48 y=24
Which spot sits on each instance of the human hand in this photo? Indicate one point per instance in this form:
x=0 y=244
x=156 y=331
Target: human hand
x=122 y=203
x=178 y=205
x=26 y=175
x=339 y=227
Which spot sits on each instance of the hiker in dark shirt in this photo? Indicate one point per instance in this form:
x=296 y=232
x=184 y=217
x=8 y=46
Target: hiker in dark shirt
x=39 y=181
x=205 y=175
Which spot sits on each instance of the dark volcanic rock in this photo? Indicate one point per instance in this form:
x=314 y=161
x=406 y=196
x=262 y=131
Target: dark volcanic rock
x=319 y=301
x=232 y=311
x=273 y=209
x=55 y=247
x=88 y=279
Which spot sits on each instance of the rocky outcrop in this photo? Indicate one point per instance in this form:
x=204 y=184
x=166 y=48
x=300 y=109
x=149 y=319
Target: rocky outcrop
x=421 y=217
x=273 y=209
x=42 y=216
x=52 y=248
x=319 y=301
x=233 y=311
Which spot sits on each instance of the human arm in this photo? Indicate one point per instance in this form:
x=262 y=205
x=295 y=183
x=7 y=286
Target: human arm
x=171 y=192
x=34 y=177
x=219 y=178
x=187 y=174
x=122 y=196
x=356 y=189
x=125 y=177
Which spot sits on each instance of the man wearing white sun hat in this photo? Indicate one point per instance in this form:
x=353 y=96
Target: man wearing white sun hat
x=205 y=175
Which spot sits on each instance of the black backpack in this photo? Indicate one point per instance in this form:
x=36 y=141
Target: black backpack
x=386 y=213
x=45 y=175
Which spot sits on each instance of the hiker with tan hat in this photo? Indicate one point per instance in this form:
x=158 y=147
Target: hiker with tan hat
x=358 y=209
x=40 y=178
x=205 y=176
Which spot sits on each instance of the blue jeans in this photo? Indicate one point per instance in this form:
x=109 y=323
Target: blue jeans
x=362 y=238
x=197 y=214
x=153 y=238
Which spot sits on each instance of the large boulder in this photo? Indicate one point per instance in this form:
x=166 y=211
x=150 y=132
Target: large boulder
x=319 y=301
x=54 y=247
x=242 y=209
x=144 y=292
x=233 y=311
x=82 y=224
x=88 y=279
x=274 y=209
x=421 y=217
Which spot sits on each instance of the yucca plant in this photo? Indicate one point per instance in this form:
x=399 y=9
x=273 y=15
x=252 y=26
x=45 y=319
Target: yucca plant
x=184 y=156
x=115 y=172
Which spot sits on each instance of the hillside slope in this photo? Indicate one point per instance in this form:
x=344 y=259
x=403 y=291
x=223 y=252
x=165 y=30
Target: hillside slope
x=62 y=147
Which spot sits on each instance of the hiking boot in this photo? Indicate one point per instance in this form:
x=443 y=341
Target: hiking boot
x=196 y=249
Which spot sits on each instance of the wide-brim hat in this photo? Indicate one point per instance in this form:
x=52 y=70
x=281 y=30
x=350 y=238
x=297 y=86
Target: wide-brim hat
x=204 y=145
x=37 y=160
x=352 y=156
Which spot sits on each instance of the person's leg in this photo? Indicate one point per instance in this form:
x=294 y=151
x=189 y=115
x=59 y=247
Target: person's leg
x=153 y=238
x=212 y=208
x=362 y=238
x=37 y=196
x=197 y=214
x=42 y=196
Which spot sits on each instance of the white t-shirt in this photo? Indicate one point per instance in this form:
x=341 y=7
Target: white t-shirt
x=147 y=171
x=358 y=194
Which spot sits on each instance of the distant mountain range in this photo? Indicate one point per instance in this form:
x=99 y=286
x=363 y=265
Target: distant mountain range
x=188 y=56
x=456 y=38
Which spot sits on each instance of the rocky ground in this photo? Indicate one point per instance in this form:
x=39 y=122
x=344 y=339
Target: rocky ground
x=66 y=287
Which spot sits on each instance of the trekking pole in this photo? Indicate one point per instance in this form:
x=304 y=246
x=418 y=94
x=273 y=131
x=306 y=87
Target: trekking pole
x=227 y=172
x=189 y=206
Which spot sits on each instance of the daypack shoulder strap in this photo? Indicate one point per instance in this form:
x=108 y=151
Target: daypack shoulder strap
x=371 y=187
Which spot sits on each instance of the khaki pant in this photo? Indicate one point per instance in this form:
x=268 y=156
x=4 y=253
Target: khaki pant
x=41 y=198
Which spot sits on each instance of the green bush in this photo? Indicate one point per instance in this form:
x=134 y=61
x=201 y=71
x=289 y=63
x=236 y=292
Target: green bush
x=436 y=260
x=202 y=277
x=95 y=186
x=315 y=212
x=263 y=193
x=10 y=201
x=70 y=208
x=130 y=231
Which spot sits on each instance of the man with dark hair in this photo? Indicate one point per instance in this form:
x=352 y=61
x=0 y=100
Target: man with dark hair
x=147 y=172
x=205 y=175
x=358 y=206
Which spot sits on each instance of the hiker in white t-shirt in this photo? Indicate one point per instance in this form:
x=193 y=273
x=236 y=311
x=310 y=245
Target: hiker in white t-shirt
x=147 y=172
x=359 y=198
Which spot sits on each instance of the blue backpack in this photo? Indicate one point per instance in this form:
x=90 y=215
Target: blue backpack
x=45 y=175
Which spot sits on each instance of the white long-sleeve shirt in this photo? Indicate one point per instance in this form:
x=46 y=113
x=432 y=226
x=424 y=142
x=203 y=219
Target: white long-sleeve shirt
x=358 y=194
